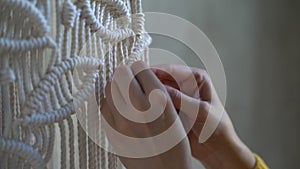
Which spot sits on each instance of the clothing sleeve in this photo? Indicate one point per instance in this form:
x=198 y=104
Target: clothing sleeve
x=260 y=164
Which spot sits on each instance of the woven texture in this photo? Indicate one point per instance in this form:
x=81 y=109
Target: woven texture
x=42 y=42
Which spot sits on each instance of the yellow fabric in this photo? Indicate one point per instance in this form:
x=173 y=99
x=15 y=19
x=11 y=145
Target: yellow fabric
x=260 y=164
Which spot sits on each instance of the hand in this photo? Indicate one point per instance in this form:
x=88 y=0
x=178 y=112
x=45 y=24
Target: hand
x=223 y=149
x=142 y=84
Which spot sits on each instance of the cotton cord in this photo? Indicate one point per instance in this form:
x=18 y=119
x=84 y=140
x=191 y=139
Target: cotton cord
x=48 y=49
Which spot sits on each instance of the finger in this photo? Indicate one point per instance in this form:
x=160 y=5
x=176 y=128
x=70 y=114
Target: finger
x=195 y=110
x=122 y=78
x=181 y=75
x=184 y=73
x=165 y=78
x=175 y=96
x=182 y=102
x=129 y=87
x=136 y=94
x=106 y=112
x=171 y=84
x=171 y=72
x=146 y=77
x=178 y=97
x=204 y=108
x=113 y=99
x=204 y=83
x=118 y=104
x=161 y=74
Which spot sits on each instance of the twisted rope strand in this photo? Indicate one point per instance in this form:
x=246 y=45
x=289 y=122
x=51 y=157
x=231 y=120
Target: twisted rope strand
x=71 y=142
x=17 y=46
x=23 y=150
x=28 y=9
x=108 y=32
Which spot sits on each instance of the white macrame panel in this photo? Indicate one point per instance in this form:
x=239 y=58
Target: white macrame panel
x=41 y=43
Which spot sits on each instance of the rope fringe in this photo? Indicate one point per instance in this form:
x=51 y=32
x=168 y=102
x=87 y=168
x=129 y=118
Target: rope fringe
x=53 y=56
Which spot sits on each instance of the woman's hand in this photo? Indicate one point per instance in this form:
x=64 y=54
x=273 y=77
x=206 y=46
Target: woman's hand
x=141 y=85
x=223 y=150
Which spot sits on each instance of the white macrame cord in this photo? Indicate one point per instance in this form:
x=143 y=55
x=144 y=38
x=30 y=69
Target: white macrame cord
x=43 y=44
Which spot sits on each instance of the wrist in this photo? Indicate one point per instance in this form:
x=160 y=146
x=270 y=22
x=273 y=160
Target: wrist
x=235 y=155
x=239 y=156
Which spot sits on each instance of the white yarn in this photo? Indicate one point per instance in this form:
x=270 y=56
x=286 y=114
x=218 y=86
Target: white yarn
x=23 y=150
x=68 y=14
x=35 y=98
x=13 y=45
x=6 y=76
x=28 y=9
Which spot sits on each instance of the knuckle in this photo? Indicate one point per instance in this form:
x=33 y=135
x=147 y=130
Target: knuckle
x=202 y=77
x=139 y=62
x=204 y=107
x=201 y=74
x=176 y=94
x=137 y=66
x=197 y=74
x=206 y=76
x=173 y=93
x=121 y=68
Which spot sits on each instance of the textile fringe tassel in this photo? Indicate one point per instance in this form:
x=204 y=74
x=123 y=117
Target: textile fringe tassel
x=54 y=56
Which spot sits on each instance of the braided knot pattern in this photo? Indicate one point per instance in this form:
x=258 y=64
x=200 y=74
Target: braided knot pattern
x=52 y=60
x=68 y=14
x=23 y=150
x=23 y=45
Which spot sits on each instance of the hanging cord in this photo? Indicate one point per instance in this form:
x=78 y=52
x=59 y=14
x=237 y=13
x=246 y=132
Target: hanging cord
x=27 y=8
x=22 y=150
x=113 y=31
x=95 y=25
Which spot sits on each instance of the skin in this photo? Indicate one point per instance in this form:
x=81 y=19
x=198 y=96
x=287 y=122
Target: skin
x=223 y=149
x=178 y=157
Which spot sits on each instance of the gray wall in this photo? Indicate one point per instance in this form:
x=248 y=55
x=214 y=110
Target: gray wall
x=259 y=45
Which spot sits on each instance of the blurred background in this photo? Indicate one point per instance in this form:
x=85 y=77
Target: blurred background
x=259 y=45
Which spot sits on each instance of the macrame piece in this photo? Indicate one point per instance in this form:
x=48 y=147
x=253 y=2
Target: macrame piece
x=43 y=44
